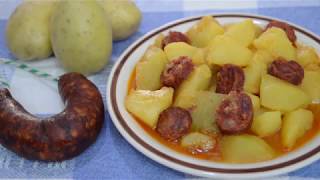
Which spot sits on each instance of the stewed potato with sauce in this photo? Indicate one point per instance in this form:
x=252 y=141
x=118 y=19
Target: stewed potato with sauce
x=249 y=92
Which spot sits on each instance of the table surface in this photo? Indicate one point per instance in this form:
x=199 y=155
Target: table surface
x=112 y=157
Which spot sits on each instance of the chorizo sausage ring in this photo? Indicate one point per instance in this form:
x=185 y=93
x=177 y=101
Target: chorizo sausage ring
x=59 y=137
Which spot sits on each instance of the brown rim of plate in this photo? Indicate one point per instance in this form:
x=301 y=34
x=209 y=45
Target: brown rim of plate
x=178 y=161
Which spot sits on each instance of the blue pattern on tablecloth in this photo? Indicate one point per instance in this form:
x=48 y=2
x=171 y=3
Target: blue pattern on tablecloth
x=5 y=71
x=112 y=157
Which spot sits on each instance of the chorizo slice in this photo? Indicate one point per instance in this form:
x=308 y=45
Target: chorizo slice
x=235 y=113
x=286 y=27
x=59 y=137
x=289 y=71
x=230 y=78
x=176 y=71
x=174 y=36
x=173 y=123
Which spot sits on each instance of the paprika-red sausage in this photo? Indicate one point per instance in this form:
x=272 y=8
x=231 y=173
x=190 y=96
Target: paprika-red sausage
x=289 y=30
x=230 y=78
x=177 y=71
x=234 y=115
x=62 y=136
x=173 y=123
x=174 y=36
x=289 y=71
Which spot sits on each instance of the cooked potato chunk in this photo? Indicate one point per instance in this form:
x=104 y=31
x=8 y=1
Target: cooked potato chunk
x=158 y=41
x=243 y=32
x=253 y=74
x=315 y=109
x=258 y=30
x=312 y=67
x=149 y=69
x=307 y=55
x=275 y=41
x=245 y=149
x=295 y=124
x=255 y=101
x=311 y=84
x=263 y=56
x=198 y=80
x=177 y=49
x=206 y=29
x=199 y=56
x=282 y=96
x=267 y=123
x=197 y=142
x=203 y=114
x=147 y=105
x=225 y=50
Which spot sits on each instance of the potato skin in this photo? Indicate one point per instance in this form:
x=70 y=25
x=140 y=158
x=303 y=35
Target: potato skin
x=124 y=15
x=82 y=43
x=27 y=31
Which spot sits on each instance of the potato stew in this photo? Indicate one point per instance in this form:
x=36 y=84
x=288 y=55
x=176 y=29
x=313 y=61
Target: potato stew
x=237 y=93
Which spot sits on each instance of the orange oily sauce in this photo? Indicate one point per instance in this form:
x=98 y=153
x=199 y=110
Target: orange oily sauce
x=215 y=154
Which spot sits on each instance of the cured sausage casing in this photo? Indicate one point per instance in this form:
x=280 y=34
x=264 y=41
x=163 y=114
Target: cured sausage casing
x=234 y=115
x=61 y=136
x=289 y=71
x=173 y=123
x=176 y=71
x=175 y=36
x=230 y=78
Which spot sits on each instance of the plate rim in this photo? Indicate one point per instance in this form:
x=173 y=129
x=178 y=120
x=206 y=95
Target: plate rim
x=180 y=165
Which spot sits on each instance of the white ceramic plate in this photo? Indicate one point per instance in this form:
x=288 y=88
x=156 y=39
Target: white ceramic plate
x=142 y=141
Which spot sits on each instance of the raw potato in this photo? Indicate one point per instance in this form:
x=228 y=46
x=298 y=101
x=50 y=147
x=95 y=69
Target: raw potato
x=295 y=125
x=149 y=69
x=244 y=32
x=27 y=31
x=82 y=43
x=124 y=15
x=267 y=123
x=203 y=114
x=280 y=95
x=206 y=29
x=307 y=55
x=198 y=80
x=177 y=49
x=275 y=41
x=197 y=142
x=252 y=74
x=245 y=149
x=311 y=84
x=147 y=105
x=224 y=50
